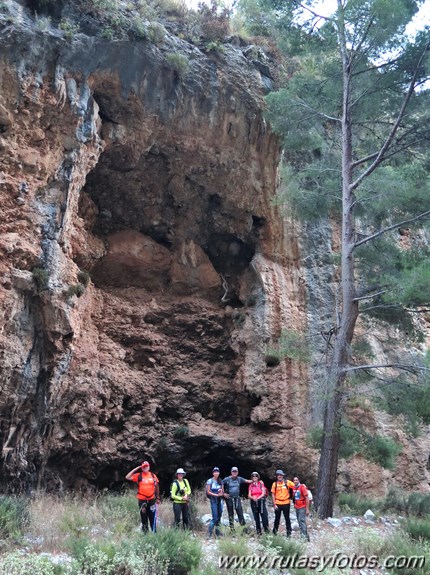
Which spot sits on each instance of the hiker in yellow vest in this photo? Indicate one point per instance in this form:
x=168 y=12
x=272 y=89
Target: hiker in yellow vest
x=180 y=492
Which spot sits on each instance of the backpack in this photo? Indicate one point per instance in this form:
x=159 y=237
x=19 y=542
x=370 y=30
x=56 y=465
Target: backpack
x=178 y=487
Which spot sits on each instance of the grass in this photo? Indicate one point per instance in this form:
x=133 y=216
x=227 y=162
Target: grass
x=14 y=516
x=417 y=529
x=101 y=536
x=284 y=547
x=353 y=503
x=233 y=547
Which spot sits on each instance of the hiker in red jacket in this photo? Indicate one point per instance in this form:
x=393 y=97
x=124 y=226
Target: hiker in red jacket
x=301 y=503
x=148 y=494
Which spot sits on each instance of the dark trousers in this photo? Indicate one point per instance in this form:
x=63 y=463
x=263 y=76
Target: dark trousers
x=234 y=503
x=182 y=509
x=285 y=510
x=259 y=509
x=147 y=513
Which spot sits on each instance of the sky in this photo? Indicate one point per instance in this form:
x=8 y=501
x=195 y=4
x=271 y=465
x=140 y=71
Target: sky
x=326 y=7
x=422 y=17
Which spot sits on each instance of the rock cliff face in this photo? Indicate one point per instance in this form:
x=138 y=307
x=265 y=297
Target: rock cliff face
x=145 y=269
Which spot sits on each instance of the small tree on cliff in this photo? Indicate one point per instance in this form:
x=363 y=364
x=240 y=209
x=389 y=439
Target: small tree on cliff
x=355 y=119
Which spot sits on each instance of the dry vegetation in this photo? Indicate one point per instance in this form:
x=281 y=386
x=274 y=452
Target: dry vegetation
x=100 y=535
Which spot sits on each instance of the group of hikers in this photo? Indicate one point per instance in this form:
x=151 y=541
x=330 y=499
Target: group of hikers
x=283 y=492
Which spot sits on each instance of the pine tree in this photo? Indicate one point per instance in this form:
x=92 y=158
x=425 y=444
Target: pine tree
x=354 y=115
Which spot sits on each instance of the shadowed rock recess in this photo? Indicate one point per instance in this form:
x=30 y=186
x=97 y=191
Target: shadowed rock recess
x=145 y=269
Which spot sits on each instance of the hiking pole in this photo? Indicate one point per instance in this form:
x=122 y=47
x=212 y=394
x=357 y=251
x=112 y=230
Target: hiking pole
x=154 y=526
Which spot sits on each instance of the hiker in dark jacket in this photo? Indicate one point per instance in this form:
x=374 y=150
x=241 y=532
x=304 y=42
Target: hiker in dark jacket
x=231 y=486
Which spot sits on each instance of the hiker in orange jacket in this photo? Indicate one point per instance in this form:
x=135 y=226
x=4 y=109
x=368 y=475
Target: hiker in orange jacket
x=281 y=490
x=148 y=494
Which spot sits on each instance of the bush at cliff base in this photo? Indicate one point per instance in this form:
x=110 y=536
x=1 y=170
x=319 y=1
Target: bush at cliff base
x=14 y=516
x=94 y=559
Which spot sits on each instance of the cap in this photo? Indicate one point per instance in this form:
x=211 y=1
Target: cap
x=279 y=472
x=255 y=473
x=145 y=464
x=234 y=469
x=180 y=470
x=215 y=469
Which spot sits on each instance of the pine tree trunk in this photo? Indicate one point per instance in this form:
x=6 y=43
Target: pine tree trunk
x=327 y=471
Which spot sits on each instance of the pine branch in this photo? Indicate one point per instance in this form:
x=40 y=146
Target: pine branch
x=391 y=135
x=316 y=112
x=370 y=296
x=409 y=368
x=315 y=14
x=367 y=239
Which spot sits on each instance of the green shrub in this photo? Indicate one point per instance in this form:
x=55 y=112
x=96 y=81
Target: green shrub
x=285 y=547
x=367 y=542
x=118 y=512
x=178 y=62
x=233 y=547
x=70 y=30
x=108 y=33
x=418 y=504
x=75 y=290
x=291 y=344
x=96 y=558
x=401 y=546
x=181 y=431
x=314 y=437
x=395 y=500
x=177 y=548
x=417 y=528
x=162 y=444
x=353 y=503
x=381 y=450
x=407 y=399
x=84 y=277
x=14 y=516
x=105 y=5
x=173 y=7
x=127 y=557
x=156 y=33
x=350 y=440
x=139 y=28
x=17 y=564
x=43 y=23
x=41 y=278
